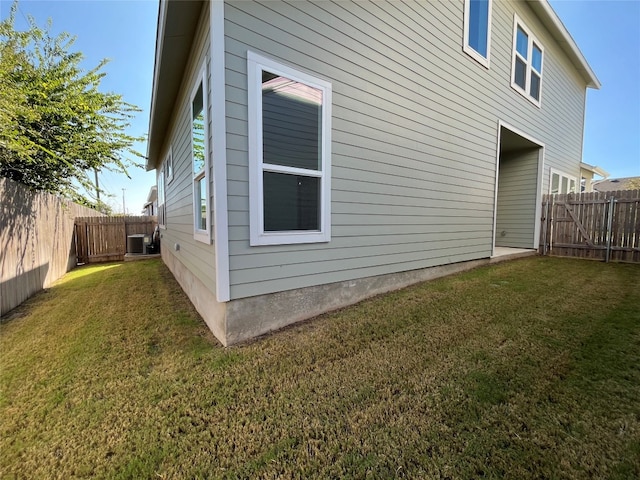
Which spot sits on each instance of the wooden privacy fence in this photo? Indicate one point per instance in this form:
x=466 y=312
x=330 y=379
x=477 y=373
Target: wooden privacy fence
x=36 y=241
x=104 y=239
x=597 y=225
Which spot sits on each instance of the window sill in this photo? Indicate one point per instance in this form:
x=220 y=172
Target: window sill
x=202 y=236
x=532 y=100
x=476 y=56
x=289 y=238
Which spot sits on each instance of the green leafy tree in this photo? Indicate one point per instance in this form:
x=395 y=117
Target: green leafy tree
x=56 y=127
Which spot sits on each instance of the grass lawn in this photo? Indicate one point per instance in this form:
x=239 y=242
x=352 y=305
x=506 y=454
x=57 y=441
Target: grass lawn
x=525 y=369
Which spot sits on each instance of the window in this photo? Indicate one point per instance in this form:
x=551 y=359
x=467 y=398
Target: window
x=526 y=77
x=168 y=166
x=290 y=152
x=561 y=182
x=162 y=214
x=477 y=30
x=199 y=155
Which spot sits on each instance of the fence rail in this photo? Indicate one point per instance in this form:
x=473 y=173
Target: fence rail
x=104 y=239
x=598 y=225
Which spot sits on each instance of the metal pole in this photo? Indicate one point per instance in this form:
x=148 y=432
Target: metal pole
x=124 y=210
x=95 y=171
x=612 y=200
x=544 y=227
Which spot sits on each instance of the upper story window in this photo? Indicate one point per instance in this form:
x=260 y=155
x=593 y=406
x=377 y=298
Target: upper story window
x=200 y=163
x=526 y=76
x=289 y=153
x=477 y=30
x=561 y=182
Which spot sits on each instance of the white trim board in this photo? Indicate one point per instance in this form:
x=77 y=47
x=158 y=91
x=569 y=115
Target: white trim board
x=218 y=122
x=541 y=160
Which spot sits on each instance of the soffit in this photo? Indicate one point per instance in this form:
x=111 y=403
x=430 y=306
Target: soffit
x=177 y=23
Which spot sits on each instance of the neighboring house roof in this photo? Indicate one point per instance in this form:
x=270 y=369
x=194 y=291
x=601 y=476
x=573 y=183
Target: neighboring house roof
x=177 y=22
x=614 y=184
x=594 y=169
x=153 y=195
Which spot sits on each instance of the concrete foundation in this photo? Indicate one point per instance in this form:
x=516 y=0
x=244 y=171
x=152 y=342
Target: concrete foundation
x=249 y=317
x=246 y=318
x=202 y=297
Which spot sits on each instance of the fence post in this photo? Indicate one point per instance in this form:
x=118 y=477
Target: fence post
x=545 y=227
x=612 y=200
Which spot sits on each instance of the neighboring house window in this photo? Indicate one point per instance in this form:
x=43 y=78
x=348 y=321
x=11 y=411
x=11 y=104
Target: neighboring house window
x=526 y=76
x=561 y=182
x=199 y=155
x=168 y=166
x=477 y=29
x=161 y=201
x=290 y=154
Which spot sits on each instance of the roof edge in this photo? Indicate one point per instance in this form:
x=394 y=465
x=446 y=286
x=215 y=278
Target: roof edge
x=162 y=15
x=595 y=169
x=551 y=20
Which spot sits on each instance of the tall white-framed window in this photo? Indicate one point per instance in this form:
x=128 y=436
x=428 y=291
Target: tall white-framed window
x=477 y=30
x=162 y=209
x=200 y=158
x=168 y=166
x=526 y=66
x=560 y=182
x=289 y=154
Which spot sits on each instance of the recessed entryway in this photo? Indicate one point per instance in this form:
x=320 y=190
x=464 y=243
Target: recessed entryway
x=518 y=180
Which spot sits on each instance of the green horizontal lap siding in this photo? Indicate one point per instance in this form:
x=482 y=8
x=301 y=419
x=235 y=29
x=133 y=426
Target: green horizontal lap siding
x=414 y=127
x=515 y=215
x=197 y=257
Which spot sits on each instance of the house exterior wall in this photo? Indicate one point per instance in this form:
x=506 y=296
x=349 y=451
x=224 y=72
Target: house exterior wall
x=517 y=199
x=191 y=261
x=414 y=133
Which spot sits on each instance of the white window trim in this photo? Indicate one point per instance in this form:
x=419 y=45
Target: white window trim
x=468 y=49
x=255 y=64
x=168 y=166
x=162 y=195
x=561 y=174
x=200 y=234
x=517 y=22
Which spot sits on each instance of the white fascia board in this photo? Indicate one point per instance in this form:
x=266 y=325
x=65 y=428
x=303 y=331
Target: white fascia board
x=551 y=20
x=162 y=16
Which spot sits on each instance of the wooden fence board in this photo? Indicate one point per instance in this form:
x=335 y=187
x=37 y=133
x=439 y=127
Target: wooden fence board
x=36 y=241
x=604 y=226
x=104 y=239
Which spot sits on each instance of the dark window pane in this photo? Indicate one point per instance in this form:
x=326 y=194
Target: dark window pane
x=536 y=58
x=291 y=123
x=535 y=86
x=197 y=131
x=520 y=73
x=555 y=183
x=522 y=43
x=479 y=26
x=291 y=202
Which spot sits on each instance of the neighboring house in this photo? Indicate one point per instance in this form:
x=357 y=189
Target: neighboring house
x=150 y=208
x=615 y=184
x=312 y=154
x=587 y=172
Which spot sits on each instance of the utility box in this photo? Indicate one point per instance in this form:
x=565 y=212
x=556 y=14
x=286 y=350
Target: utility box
x=136 y=244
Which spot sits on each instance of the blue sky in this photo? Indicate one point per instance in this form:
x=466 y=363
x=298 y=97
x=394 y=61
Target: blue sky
x=124 y=32
x=607 y=32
